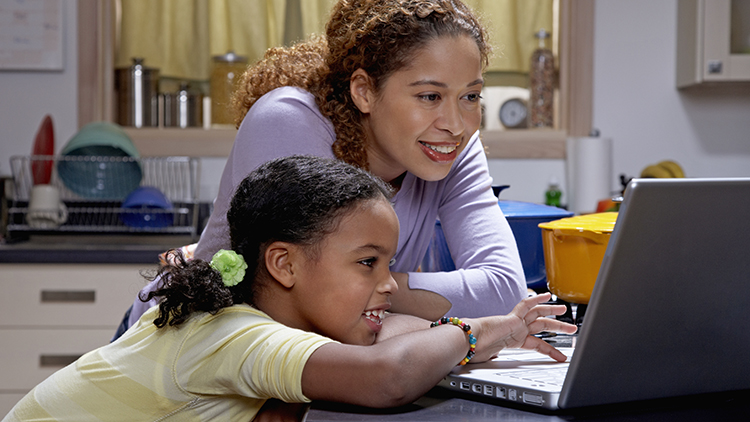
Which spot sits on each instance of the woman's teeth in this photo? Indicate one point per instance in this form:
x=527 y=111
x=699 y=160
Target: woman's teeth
x=443 y=149
x=375 y=316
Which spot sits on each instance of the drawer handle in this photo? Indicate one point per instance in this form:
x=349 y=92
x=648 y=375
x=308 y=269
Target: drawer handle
x=68 y=296
x=57 y=360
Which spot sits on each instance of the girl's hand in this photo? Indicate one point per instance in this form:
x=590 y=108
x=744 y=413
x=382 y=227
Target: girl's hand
x=516 y=329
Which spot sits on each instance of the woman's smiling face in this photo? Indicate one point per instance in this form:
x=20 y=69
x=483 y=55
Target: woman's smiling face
x=424 y=114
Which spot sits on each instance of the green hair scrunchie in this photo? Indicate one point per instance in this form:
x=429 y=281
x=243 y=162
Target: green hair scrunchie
x=230 y=265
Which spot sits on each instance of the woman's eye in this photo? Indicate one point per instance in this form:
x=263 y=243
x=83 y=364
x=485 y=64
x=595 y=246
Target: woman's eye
x=430 y=97
x=473 y=97
x=391 y=262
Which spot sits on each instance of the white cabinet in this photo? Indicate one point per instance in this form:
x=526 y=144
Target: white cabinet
x=50 y=314
x=713 y=41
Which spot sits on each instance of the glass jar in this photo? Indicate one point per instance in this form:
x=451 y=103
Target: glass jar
x=541 y=81
x=225 y=76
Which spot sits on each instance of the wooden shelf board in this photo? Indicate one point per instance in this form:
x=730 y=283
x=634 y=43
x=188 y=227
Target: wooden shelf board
x=525 y=143
x=517 y=144
x=192 y=142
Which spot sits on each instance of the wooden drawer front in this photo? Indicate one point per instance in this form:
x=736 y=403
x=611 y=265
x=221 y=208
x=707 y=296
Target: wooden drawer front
x=28 y=356
x=67 y=295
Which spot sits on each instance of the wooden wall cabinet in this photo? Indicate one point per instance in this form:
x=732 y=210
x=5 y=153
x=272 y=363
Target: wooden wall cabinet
x=713 y=42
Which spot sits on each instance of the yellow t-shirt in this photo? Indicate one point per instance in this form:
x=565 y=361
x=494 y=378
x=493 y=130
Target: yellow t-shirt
x=211 y=367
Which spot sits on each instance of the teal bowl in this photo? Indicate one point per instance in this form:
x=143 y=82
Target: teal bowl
x=100 y=162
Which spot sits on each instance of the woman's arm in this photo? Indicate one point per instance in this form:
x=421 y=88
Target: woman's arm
x=489 y=279
x=400 y=369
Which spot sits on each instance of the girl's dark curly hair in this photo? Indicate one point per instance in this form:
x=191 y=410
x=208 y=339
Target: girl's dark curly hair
x=298 y=199
x=378 y=36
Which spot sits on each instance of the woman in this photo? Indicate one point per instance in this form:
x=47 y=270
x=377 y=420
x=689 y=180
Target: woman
x=393 y=87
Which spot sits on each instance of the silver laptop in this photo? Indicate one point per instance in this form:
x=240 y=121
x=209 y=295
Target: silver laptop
x=667 y=314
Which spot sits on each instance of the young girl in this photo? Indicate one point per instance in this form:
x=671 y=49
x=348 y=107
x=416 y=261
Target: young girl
x=393 y=87
x=296 y=311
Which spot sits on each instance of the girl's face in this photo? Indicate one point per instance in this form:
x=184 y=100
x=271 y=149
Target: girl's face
x=345 y=290
x=425 y=114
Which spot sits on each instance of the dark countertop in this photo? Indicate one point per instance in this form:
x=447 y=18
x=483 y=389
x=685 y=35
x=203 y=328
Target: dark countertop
x=91 y=249
x=440 y=405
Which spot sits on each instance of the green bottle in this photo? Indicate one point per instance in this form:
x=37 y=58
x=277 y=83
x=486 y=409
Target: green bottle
x=553 y=194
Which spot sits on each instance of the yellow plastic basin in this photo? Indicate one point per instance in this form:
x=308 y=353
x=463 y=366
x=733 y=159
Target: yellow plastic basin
x=573 y=252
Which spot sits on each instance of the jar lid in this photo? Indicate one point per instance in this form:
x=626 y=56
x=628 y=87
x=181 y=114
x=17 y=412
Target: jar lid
x=603 y=222
x=230 y=57
x=138 y=64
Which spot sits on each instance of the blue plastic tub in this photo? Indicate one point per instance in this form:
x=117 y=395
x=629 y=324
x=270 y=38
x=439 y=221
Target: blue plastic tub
x=524 y=219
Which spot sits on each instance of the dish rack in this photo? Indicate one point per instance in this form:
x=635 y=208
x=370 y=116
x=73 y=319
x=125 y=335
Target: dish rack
x=177 y=177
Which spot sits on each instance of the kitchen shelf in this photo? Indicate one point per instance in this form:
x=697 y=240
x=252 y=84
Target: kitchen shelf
x=191 y=142
x=519 y=143
x=525 y=143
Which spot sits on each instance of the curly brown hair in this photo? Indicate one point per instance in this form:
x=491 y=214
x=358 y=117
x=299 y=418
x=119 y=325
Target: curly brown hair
x=378 y=36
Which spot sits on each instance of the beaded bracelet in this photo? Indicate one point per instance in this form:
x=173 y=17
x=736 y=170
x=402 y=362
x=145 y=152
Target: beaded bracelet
x=467 y=330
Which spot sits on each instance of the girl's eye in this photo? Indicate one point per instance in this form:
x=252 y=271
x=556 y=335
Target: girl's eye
x=430 y=97
x=368 y=262
x=391 y=262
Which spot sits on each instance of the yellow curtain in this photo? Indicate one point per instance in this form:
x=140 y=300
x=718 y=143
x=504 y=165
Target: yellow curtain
x=315 y=14
x=181 y=36
x=512 y=25
x=171 y=35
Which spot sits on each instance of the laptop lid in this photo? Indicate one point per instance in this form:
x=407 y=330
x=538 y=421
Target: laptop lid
x=666 y=312
x=664 y=317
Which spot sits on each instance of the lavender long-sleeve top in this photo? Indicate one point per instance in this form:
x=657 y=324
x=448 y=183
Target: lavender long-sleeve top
x=489 y=279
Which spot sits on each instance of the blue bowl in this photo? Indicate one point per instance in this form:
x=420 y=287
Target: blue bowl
x=147 y=207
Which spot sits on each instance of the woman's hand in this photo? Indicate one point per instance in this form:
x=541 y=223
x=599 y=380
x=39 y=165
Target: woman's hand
x=516 y=329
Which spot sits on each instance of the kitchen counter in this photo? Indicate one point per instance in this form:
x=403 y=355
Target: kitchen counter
x=91 y=249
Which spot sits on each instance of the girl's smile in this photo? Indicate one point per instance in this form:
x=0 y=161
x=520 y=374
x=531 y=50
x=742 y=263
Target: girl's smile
x=374 y=319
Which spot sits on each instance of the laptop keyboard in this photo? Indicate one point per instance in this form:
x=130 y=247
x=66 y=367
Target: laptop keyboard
x=551 y=376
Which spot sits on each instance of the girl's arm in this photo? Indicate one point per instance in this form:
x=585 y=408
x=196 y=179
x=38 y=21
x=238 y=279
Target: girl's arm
x=400 y=369
x=397 y=324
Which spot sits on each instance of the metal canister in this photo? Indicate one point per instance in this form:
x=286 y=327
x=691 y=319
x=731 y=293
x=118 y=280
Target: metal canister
x=183 y=108
x=225 y=76
x=137 y=89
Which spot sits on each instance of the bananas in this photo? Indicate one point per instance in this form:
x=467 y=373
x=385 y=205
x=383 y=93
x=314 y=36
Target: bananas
x=673 y=168
x=664 y=169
